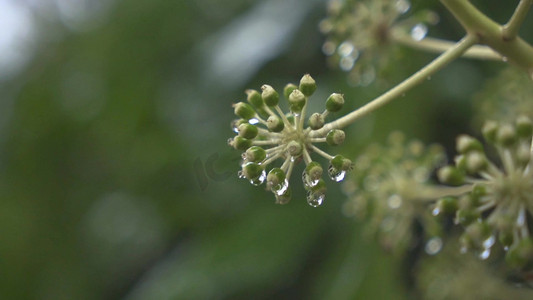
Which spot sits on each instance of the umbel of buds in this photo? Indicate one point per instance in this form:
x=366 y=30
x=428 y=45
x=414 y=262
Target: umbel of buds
x=500 y=201
x=266 y=134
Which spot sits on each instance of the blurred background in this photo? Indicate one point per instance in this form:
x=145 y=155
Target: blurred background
x=116 y=181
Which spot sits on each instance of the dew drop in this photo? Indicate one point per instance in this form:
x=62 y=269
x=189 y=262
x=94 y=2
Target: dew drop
x=335 y=174
x=345 y=49
x=419 y=32
x=489 y=242
x=281 y=188
x=259 y=180
x=308 y=182
x=240 y=174
x=230 y=142
x=234 y=126
x=394 y=201
x=402 y=6
x=484 y=254
x=435 y=211
x=253 y=121
x=433 y=246
x=315 y=199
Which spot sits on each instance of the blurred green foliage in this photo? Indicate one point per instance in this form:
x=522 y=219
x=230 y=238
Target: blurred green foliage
x=105 y=190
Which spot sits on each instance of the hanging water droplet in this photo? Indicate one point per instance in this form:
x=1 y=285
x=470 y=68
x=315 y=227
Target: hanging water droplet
x=394 y=201
x=335 y=174
x=259 y=180
x=346 y=63
x=308 y=182
x=253 y=121
x=230 y=142
x=402 y=6
x=345 y=48
x=281 y=188
x=240 y=174
x=489 y=242
x=435 y=211
x=419 y=32
x=433 y=246
x=235 y=126
x=484 y=254
x=315 y=199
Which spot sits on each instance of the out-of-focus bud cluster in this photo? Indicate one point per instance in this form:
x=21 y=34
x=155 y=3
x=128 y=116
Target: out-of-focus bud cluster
x=359 y=34
x=390 y=188
x=504 y=97
x=266 y=134
x=499 y=205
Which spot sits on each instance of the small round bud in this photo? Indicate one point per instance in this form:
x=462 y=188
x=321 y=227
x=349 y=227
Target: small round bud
x=316 y=121
x=275 y=124
x=489 y=130
x=297 y=101
x=524 y=127
x=254 y=98
x=244 y=110
x=466 y=143
x=314 y=171
x=466 y=217
x=252 y=171
x=287 y=90
x=275 y=178
x=475 y=162
x=478 y=191
x=340 y=162
x=335 y=137
x=334 y=102
x=523 y=154
x=248 y=131
x=460 y=162
x=240 y=143
x=307 y=85
x=506 y=135
x=294 y=148
x=447 y=205
x=521 y=254
x=451 y=175
x=269 y=95
x=255 y=154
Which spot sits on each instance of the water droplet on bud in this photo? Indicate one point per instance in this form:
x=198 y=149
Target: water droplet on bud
x=419 y=32
x=433 y=246
x=335 y=174
x=315 y=199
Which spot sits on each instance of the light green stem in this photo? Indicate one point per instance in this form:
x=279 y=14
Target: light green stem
x=434 y=45
x=510 y=30
x=490 y=33
x=414 y=80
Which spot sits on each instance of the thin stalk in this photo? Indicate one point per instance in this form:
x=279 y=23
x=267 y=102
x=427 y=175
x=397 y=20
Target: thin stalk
x=510 y=30
x=414 y=80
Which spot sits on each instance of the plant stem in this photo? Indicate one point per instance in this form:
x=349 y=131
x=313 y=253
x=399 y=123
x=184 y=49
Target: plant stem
x=490 y=33
x=414 y=80
x=510 y=30
x=434 y=45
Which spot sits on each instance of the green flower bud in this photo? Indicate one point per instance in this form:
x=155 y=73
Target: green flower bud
x=478 y=191
x=313 y=171
x=252 y=171
x=451 y=176
x=269 y=95
x=254 y=98
x=287 y=90
x=460 y=162
x=506 y=135
x=275 y=124
x=524 y=127
x=240 y=143
x=275 y=179
x=447 y=205
x=316 y=121
x=490 y=130
x=340 y=162
x=475 y=162
x=521 y=254
x=523 y=154
x=319 y=188
x=335 y=137
x=307 y=85
x=334 y=102
x=294 y=148
x=248 y=131
x=465 y=217
x=478 y=232
x=297 y=101
x=466 y=143
x=244 y=110
x=255 y=154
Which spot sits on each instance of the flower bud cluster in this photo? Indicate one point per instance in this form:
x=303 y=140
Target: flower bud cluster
x=499 y=205
x=390 y=187
x=266 y=134
x=359 y=34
